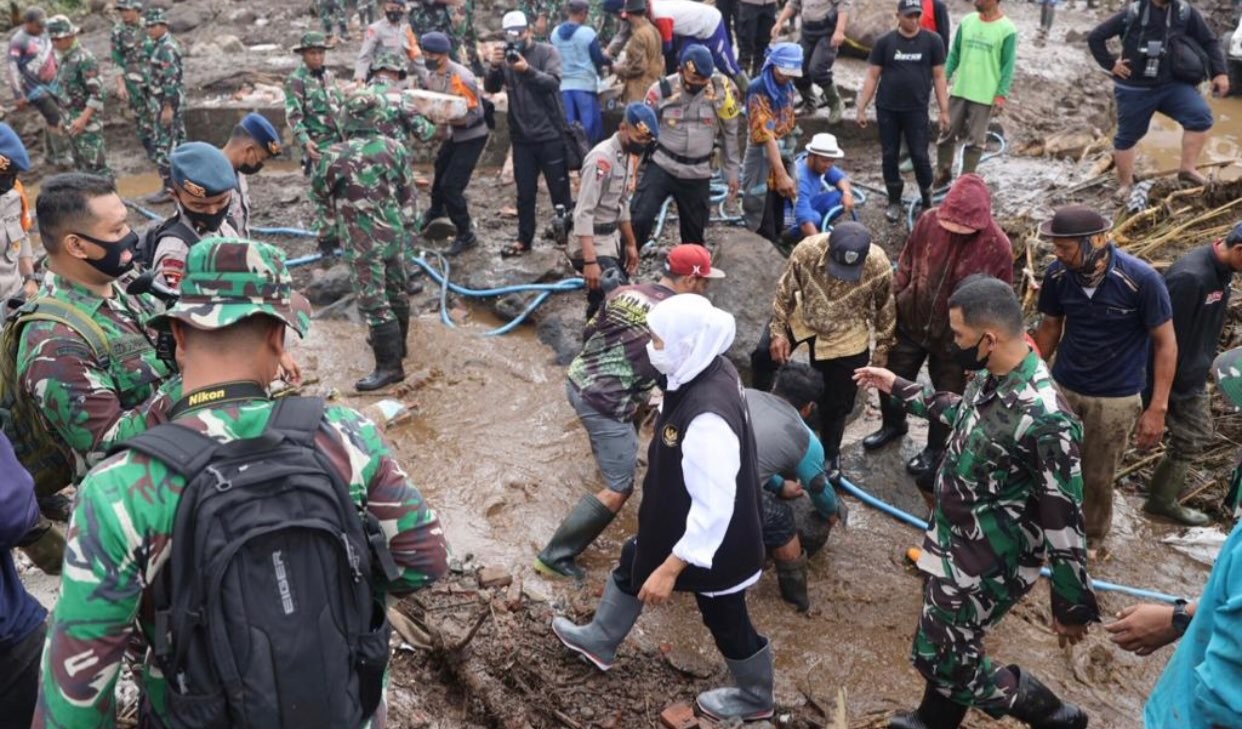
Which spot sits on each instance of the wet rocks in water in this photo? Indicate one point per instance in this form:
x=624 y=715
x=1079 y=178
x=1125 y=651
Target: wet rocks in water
x=752 y=266
x=330 y=285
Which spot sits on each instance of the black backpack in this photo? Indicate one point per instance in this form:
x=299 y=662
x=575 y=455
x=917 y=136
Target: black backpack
x=265 y=614
x=149 y=238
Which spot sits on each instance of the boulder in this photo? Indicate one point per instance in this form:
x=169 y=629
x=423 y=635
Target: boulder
x=752 y=266
x=242 y=16
x=866 y=23
x=187 y=17
x=205 y=49
x=477 y=269
x=330 y=285
x=230 y=44
x=559 y=326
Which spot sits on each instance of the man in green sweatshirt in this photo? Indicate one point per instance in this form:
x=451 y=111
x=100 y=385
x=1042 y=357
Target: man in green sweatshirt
x=982 y=58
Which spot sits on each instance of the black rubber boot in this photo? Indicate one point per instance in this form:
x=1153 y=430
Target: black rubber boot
x=936 y=711
x=924 y=461
x=386 y=344
x=56 y=507
x=586 y=521
x=403 y=322
x=1036 y=705
x=791 y=577
x=893 y=427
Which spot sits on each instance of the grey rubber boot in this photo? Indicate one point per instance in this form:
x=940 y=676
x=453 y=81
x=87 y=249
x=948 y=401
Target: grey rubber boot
x=1167 y=483
x=751 y=699
x=586 y=521
x=970 y=159
x=1036 y=705
x=836 y=105
x=597 y=641
x=791 y=577
x=386 y=345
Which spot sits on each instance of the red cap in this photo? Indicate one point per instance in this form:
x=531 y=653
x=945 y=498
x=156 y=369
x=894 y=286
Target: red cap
x=691 y=259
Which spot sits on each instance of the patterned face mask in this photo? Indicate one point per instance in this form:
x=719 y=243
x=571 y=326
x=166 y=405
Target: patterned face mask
x=1096 y=253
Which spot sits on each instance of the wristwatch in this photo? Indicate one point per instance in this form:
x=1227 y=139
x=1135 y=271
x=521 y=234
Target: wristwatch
x=1181 y=619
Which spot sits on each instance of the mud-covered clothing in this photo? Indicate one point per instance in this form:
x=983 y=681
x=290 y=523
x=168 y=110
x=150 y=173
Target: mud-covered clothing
x=32 y=63
x=1199 y=286
x=90 y=405
x=934 y=261
x=840 y=315
x=121 y=536
x=1107 y=423
x=786 y=448
x=1151 y=24
x=1007 y=497
x=612 y=373
x=396 y=37
x=171 y=249
x=982 y=56
x=534 y=95
x=15 y=245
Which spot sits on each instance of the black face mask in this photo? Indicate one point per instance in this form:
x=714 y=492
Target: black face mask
x=206 y=222
x=393 y=16
x=693 y=89
x=969 y=359
x=250 y=169
x=318 y=72
x=110 y=264
x=7 y=182
x=435 y=64
x=637 y=148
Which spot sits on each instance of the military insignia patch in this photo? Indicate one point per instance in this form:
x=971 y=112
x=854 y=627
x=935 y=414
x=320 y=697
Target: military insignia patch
x=194 y=189
x=669 y=436
x=273 y=148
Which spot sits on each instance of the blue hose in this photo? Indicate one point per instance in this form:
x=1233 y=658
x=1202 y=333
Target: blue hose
x=442 y=278
x=918 y=523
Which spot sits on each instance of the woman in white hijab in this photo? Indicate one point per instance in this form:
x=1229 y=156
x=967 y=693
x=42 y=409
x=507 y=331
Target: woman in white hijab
x=698 y=525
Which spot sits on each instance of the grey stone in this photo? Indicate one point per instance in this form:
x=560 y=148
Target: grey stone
x=561 y=328
x=752 y=266
x=187 y=17
x=230 y=44
x=330 y=285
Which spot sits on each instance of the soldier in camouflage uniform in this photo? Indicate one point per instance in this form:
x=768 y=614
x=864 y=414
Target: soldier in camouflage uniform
x=129 y=54
x=166 y=105
x=367 y=183
x=1008 y=496
x=542 y=15
x=312 y=100
x=604 y=22
x=81 y=94
x=426 y=16
x=465 y=37
x=399 y=121
x=90 y=404
x=333 y=12
x=122 y=529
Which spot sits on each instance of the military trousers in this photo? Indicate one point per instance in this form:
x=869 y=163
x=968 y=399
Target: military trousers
x=693 y=198
x=165 y=137
x=454 y=166
x=379 y=278
x=1189 y=422
x=142 y=117
x=89 y=153
x=948 y=646
x=1107 y=423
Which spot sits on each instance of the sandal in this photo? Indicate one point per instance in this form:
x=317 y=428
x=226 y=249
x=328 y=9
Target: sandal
x=513 y=250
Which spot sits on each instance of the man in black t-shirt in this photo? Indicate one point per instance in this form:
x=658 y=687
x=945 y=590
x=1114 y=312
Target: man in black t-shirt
x=905 y=64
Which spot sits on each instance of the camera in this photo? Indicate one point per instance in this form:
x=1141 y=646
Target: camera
x=1153 y=51
x=512 y=52
x=562 y=223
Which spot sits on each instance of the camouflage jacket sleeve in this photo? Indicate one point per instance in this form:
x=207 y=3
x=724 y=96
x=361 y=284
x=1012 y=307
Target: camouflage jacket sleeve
x=1054 y=446
x=406 y=191
x=118 y=48
x=322 y=183
x=295 y=108
x=77 y=397
x=88 y=69
x=166 y=74
x=925 y=403
x=415 y=537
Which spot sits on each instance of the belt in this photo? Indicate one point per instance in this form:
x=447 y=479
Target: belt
x=681 y=158
x=605 y=228
x=828 y=23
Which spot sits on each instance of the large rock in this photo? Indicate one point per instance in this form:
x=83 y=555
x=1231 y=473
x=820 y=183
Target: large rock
x=187 y=17
x=330 y=285
x=752 y=266
x=866 y=23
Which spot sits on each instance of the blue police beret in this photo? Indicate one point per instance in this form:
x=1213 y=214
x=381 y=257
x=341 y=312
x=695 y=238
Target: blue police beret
x=262 y=132
x=435 y=42
x=698 y=59
x=641 y=115
x=13 y=156
x=201 y=170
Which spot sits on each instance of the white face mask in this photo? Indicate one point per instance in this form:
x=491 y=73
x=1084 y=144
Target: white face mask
x=658 y=359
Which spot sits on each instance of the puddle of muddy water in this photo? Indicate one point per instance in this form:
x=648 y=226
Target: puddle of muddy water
x=1162 y=145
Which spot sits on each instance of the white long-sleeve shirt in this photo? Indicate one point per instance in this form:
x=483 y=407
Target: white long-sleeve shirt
x=711 y=457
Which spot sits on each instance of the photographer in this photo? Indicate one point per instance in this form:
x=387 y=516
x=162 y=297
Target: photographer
x=1147 y=78
x=531 y=74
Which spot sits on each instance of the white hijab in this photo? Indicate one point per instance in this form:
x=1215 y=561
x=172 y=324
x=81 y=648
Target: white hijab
x=693 y=331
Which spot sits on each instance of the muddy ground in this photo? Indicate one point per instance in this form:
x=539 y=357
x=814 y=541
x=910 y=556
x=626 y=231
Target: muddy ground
x=501 y=456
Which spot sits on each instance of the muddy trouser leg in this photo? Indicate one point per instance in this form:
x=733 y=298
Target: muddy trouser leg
x=395 y=279
x=89 y=154
x=762 y=367
x=1047 y=13
x=368 y=271
x=890 y=124
x=916 y=130
x=729 y=622
x=693 y=198
x=142 y=119
x=654 y=187
x=837 y=400
x=948 y=646
x=977 y=118
x=905 y=360
x=1106 y=426
x=946 y=146
x=457 y=173
x=19 y=678
x=777 y=518
x=810 y=38
x=947 y=376
x=823 y=57
x=58 y=147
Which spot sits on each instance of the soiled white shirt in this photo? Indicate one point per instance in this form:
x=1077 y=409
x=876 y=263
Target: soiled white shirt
x=711 y=456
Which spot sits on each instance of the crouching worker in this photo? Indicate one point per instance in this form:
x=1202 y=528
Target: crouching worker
x=322 y=524
x=698 y=525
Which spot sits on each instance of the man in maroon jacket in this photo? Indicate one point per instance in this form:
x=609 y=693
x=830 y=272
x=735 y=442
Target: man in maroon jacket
x=948 y=243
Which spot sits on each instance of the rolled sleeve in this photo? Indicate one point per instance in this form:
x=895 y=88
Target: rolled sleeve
x=710 y=461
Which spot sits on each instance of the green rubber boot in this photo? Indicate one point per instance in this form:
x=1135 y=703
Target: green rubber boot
x=1167 y=483
x=586 y=521
x=836 y=105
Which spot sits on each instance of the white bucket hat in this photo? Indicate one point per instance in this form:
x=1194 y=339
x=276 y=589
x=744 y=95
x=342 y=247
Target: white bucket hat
x=825 y=145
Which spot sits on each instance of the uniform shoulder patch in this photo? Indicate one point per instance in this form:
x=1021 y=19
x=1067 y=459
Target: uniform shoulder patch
x=670 y=436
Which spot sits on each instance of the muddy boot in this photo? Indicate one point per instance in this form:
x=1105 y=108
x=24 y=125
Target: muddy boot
x=597 y=641
x=386 y=344
x=462 y=243
x=586 y=521
x=752 y=698
x=1036 y=705
x=791 y=576
x=1167 y=483
x=439 y=229
x=45 y=546
x=970 y=159
x=925 y=198
x=893 y=212
x=835 y=104
x=924 y=461
x=936 y=711
x=403 y=323
x=893 y=427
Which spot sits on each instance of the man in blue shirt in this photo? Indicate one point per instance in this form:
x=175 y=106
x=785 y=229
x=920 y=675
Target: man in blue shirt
x=21 y=616
x=581 y=64
x=822 y=186
x=1103 y=309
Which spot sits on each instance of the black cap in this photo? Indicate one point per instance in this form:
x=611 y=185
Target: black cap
x=909 y=7
x=1235 y=235
x=848 y=245
x=1074 y=221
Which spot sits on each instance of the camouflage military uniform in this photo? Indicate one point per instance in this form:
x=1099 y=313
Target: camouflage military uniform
x=311 y=104
x=91 y=405
x=367 y=185
x=398 y=120
x=81 y=88
x=535 y=8
x=130 y=51
x=430 y=15
x=333 y=11
x=1008 y=495
x=464 y=36
x=165 y=88
x=604 y=22
x=121 y=533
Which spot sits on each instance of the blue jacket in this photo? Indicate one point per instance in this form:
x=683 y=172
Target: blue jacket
x=19 y=612
x=1201 y=686
x=581 y=57
x=809 y=186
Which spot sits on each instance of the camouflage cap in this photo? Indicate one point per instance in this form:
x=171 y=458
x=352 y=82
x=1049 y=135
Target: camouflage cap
x=229 y=279
x=155 y=16
x=388 y=60
x=1227 y=371
x=363 y=110
x=129 y=4
x=311 y=40
x=59 y=26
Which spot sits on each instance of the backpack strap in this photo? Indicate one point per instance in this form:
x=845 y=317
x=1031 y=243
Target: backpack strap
x=297 y=419
x=47 y=308
x=185 y=451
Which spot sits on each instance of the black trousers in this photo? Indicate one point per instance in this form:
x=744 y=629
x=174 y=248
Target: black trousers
x=837 y=400
x=530 y=159
x=693 y=198
x=754 y=32
x=905 y=360
x=455 y=164
x=728 y=15
x=914 y=127
x=818 y=55
x=725 y=616
x=19 y=679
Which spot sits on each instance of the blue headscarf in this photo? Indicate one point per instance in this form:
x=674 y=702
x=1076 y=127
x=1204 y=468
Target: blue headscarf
x=783 y=56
